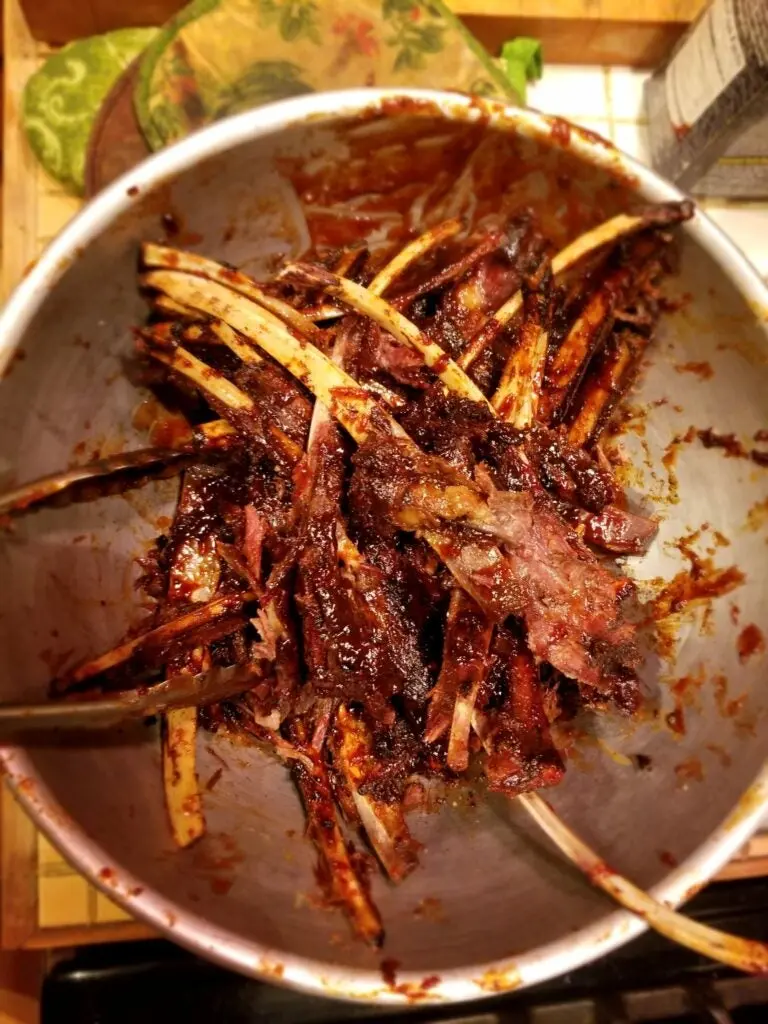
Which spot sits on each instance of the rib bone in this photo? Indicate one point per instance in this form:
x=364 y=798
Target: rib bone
x=392 y=321
x=610 y=232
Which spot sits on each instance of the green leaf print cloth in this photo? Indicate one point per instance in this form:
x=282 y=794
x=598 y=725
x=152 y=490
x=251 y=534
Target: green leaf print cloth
x=218 y=57
x=62 y=99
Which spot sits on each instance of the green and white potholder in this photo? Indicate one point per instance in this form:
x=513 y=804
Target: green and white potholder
x=63 y=98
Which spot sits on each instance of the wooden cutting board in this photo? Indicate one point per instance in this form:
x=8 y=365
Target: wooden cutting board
x=116 y=142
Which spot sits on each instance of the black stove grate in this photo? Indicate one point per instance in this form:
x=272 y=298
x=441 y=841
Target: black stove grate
x=649 y=980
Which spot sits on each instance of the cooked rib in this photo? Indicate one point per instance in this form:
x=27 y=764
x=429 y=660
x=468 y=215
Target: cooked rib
x=608 y=233
x=467 y=639
x=344 y=883
x=194 y=575
x=517 y=397
x=348 y=402
x=224 y=396
x=412 y=252
x=216 y=618
x=384 y=823
x=591 y=327
x=455 y=270
x=174 y=259
x=391 y=320
x=515 y=732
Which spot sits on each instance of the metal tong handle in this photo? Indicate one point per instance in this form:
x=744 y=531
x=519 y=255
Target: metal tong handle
x=104 y=712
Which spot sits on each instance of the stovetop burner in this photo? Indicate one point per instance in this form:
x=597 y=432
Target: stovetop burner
x=649 y=980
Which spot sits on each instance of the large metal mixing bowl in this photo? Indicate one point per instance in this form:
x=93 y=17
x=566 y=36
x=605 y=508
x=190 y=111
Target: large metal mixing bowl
x=492 y=907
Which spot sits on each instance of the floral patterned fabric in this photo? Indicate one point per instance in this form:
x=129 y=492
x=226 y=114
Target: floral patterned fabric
x=218 y=57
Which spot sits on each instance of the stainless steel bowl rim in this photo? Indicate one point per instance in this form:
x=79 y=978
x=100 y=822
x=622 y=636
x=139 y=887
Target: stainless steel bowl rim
x=474 y=980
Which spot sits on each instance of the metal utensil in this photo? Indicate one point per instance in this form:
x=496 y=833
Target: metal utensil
x=72 y=485
x=100 y=712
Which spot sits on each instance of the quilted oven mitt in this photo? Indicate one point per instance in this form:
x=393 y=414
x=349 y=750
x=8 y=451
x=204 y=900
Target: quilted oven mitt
x=62 y=99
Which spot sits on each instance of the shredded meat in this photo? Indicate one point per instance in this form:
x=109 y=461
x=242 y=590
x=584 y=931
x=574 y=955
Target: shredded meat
x=394 y=516
x=515 y=730
x=512 y=550
x=354 y=643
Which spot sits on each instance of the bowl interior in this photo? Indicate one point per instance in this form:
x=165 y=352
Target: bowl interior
x=489 y=887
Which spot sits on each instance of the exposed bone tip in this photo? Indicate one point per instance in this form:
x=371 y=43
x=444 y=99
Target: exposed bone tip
x=152 y=339
x=307 y=274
